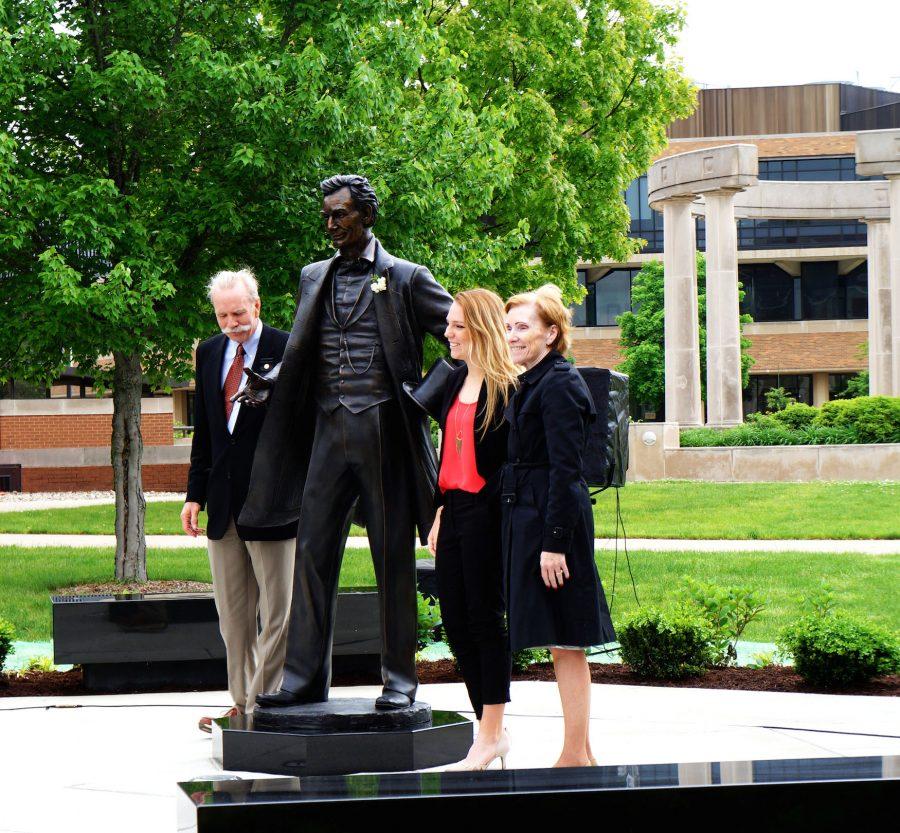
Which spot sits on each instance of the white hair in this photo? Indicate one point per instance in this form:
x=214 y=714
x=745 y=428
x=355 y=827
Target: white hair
x=230 y=280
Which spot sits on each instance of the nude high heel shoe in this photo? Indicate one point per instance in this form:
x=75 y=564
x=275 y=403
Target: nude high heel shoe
x=500 y=751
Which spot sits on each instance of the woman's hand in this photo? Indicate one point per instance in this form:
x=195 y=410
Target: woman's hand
x=554 y=569
x=433 y=535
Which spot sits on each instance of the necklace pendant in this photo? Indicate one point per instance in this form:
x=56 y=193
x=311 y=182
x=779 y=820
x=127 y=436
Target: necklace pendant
x=458 y=446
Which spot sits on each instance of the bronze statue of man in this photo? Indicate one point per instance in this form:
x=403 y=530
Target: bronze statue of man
x=340 y=429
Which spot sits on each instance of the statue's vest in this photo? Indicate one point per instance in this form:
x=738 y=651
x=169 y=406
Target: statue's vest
x=352 y=371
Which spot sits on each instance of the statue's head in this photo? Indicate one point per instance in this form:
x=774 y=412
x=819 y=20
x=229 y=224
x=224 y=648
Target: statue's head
x=349 y=209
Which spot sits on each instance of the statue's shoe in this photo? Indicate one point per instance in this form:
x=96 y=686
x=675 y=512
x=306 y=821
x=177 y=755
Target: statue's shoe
x=288 y=698
x=393 y=700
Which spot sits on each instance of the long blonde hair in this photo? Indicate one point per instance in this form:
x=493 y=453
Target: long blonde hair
x=548 y=302
x=483 y=315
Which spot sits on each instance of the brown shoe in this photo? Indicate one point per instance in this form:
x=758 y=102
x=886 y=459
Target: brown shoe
x=205 y=723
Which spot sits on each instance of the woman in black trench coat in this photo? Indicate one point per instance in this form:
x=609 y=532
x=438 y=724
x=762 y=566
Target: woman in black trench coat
x=554 y=595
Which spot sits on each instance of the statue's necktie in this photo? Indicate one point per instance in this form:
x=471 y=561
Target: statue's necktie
x=233 y=380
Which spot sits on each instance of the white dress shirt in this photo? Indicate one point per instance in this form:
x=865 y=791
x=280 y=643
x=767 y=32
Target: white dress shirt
x=250 y=347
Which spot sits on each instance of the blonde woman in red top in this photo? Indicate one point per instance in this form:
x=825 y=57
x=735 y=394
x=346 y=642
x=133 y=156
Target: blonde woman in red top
x=466 y=537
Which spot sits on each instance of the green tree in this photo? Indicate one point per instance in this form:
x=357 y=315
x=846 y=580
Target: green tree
x=643 y=335
x=146 y=143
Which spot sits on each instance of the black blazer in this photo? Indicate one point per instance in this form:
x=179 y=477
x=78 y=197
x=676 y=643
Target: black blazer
x=219 y=475
x=490 y=451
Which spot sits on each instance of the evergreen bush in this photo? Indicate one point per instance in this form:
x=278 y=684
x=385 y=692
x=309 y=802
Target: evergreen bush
x=7 y=636
x=837 y=650
x=667 y=645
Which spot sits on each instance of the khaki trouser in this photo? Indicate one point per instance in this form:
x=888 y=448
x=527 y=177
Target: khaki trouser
x=250 y=578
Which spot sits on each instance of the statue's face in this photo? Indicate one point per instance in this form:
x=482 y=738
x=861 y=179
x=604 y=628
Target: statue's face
x=345 y=224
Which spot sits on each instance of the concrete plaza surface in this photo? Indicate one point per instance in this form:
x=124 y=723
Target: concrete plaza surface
x=111 y=763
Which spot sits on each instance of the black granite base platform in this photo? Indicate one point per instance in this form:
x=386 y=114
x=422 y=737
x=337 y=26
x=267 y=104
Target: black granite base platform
x=163 y=640
x=430 y=738
x=341 y=714
x=818 y=794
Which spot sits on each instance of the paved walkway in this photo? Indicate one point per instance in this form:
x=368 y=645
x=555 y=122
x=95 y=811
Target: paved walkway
x=108 y=763
x=869 y=547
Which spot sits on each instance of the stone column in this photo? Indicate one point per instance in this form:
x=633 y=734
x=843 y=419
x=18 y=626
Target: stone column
x=894 y=246
x=724 y=398
x=879 y=276
x=683 y=403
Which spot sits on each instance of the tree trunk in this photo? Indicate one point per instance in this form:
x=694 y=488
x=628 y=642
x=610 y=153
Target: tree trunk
x=127 y=450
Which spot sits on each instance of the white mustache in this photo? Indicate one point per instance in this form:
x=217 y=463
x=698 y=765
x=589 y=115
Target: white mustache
x=237 y=328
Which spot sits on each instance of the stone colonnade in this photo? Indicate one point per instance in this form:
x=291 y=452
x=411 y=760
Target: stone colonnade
x=722 y=184
x=673 y=184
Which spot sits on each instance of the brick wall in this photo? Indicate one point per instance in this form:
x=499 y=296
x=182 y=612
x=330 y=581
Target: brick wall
x=171 y=477
x=837 y=352
x=806 y=352
x=76 y=430
x=809 y=144
x=597 y=352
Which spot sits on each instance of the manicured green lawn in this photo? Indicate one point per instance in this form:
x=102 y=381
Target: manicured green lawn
x=28 y=576
x=661 y=509
x=692 y=509
x=865 y=584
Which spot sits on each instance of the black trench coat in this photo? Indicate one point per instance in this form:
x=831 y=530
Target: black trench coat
x=413 y=304
x=547 y=507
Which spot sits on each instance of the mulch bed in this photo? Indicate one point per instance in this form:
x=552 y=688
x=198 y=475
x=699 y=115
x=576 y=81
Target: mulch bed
x=774 y=678
x=113 y=588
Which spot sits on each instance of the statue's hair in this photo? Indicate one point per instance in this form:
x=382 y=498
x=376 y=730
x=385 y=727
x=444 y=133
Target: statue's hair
x=229 y=280
x=361 y=191
x=550 y=308
x=483 y=317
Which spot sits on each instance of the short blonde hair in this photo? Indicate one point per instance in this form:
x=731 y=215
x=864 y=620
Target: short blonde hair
x=548 y=302
x=229 y=280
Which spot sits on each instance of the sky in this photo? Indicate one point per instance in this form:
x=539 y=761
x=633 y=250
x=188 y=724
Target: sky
x=743 y=43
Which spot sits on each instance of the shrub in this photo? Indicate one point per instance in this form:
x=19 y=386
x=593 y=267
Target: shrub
x=777 y=399
x=428 y=622
x=7 y=636
x=666 y=645
x=39 y=664
x=528 y=656
x=797 y=415
x=838 y=650
x=872 y=419
x=728 y=610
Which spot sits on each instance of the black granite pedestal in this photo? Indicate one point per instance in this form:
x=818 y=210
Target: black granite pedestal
x=818 y=794
x=341 y=736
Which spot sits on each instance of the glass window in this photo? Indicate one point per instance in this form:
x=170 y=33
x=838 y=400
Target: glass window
x=768 y=292
x=823 y=290
x=856 y=287
x=837 y=383
x=612 y=296
x=579 y=312
x=797 y=385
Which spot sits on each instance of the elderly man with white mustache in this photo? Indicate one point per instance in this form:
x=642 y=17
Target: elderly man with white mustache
x=252 y=569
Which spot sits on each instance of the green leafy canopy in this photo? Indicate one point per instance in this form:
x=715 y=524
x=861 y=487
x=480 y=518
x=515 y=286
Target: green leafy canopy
x=145 y=144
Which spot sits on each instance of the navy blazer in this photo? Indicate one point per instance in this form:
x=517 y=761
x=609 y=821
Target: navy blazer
x=490 y=450
x=219 y=475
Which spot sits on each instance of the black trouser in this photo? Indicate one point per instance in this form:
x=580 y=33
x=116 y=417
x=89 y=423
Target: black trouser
x=354 y=455
x=470 y=586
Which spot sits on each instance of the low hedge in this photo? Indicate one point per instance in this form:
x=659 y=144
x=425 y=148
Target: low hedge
x=837 y=650
x=7 y=635
x=866 y=419
x=666 y=645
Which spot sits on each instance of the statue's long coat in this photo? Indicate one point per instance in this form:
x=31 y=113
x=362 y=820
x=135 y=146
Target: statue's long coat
x=413 y=304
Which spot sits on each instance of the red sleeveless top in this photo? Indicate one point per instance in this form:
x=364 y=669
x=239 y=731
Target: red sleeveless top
x=458 y=468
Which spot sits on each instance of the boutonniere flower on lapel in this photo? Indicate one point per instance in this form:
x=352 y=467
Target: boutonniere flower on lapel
x=378 y=284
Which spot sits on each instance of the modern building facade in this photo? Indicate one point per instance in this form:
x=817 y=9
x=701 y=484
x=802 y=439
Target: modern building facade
x=804 y=281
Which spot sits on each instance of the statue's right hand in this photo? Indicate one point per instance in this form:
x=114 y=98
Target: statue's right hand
x=257 y=390
x=189 y=517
